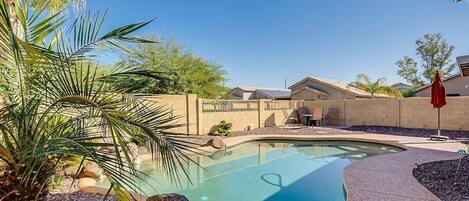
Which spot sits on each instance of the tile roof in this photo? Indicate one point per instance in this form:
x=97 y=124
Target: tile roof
x=340 y=85
x=275 y=93
x=269 y=92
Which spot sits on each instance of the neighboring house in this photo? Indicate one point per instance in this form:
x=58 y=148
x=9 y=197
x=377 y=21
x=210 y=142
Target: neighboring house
x=253 y=93
x=456 y=85
x=314 y=88
x=401 y=86
x=463 y=63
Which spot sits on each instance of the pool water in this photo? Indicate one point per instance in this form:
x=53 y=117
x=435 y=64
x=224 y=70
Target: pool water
x=269 y=170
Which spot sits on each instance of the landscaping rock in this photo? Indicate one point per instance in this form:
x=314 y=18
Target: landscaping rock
x=462 y=136
x=67 y=185
x=91 y=170
x=76 y=196
x=70 y=170
x=86 y=182
x=444 y=179
x=217 y=142
x=168 y=197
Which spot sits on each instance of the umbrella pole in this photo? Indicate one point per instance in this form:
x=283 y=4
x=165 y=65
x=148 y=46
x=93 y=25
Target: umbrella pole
x=439 y=131
x=438 y=136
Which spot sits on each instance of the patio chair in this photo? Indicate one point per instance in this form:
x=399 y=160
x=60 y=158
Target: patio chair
x=301 y=112
x=317 y=115
x=293 y=116
x=329 y=116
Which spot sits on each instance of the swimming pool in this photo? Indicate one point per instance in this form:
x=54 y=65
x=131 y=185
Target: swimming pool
x=270 y=170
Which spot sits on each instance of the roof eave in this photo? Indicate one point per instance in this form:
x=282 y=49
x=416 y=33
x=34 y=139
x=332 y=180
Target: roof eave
x=444 y=80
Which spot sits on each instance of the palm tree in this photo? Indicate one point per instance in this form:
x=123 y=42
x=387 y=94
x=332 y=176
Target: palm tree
x=374 y=87
x=52 y=7
x=56 y=104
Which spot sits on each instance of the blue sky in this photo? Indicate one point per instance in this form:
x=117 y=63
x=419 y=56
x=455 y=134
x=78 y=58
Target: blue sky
x=262 y=42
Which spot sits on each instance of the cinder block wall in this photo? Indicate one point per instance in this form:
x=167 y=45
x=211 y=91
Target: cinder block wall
x=379 y=112
x=181 y=106
x=241 y=120
x=339 y=105
x=419 y=113
x=408 y=113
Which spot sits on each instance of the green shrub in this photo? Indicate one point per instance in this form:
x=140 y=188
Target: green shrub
x=223 y=128
x=408 y=93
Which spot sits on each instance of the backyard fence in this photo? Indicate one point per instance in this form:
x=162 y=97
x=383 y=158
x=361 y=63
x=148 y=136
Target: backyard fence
x=406 y=112
x=202 y=115
x=280 y=104
x=227 y=105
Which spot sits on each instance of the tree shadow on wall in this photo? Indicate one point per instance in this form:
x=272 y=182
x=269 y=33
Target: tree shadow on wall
x=270 y=121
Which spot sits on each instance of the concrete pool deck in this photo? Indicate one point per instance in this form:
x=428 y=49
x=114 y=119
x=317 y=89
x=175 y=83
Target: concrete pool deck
x=383 y=177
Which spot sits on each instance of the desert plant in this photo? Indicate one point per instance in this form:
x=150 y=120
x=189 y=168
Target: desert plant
x=56 y=104
x=375 y=87
x=462 y=154
x=223 y=128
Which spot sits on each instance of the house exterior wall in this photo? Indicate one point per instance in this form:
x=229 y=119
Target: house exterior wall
x=241 y=94
x=458 y=85
x=334 y=93
x=247 y=95
x=308 y=95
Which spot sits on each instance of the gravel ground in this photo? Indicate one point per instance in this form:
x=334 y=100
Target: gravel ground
x=66 y=186
x=462 y=136
x=295 y=130
x=441 y=179
x=79 y=196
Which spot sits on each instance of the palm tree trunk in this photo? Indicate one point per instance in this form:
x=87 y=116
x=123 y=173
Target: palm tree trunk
x=14 y=20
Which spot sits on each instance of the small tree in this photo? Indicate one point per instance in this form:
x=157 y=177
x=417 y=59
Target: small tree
x=181 y=72
x=223 y=128
x=434 y=54
x=364 y=82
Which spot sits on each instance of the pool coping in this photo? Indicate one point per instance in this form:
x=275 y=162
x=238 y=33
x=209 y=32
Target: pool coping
x=358 y=184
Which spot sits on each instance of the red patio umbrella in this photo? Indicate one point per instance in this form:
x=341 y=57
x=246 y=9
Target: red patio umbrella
x=438 y=99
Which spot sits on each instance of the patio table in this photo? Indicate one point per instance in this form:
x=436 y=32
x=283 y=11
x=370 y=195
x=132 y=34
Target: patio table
x=307 y=119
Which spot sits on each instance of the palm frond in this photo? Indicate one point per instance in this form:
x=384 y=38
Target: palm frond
x=390 y=91
x=58 y=103
x=363 y=78
x=87 y=41
x=375 y=87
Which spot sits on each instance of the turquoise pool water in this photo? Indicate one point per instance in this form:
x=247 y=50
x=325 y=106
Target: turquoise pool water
x=269 y=170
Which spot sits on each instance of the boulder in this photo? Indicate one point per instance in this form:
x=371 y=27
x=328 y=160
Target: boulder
x=70 y=170
x=168 y=197
x=217 y=142
x=86 y=183
x=91 y=170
